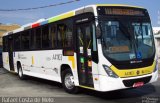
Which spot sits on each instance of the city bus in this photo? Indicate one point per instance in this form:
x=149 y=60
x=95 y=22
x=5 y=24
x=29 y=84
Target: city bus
x=103 y=47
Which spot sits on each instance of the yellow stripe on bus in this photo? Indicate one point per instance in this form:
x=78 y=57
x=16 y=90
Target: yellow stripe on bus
x=71 y=58
x=60 y=17
x=32 y=60
x=134 y=72
x=86 y=87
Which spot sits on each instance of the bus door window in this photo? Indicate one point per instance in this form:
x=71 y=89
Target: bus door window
x=85 y=57
x=80 y=37
x=88 y=48
x=81 y=55
x=88 y=41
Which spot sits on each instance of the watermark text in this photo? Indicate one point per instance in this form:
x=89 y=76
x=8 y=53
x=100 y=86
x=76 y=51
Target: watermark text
x=27 y=100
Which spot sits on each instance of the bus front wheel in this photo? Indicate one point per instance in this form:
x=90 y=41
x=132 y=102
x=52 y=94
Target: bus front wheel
x=68 y=82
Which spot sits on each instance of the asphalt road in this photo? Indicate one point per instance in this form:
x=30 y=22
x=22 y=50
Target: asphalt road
x=12 y=86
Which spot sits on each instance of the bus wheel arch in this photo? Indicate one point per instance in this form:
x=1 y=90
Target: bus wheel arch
x=20 y=71
x=67 y=79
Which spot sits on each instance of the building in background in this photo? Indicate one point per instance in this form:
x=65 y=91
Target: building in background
x=156 y=31
x=5 y=28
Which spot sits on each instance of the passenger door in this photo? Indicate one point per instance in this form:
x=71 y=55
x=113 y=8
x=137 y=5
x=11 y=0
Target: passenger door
x=84 y=53
x=10 y=52
x=84 y=28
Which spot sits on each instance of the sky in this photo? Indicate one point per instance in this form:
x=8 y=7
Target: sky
x=25 y=17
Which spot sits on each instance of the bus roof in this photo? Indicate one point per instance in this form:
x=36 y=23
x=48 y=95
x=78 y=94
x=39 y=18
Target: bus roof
x=62 y=16
x=119 y=5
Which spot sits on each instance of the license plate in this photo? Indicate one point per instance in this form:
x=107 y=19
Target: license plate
x=138 y=84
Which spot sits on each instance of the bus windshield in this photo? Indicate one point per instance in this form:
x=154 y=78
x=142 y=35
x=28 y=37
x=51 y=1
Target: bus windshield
x=125 y=40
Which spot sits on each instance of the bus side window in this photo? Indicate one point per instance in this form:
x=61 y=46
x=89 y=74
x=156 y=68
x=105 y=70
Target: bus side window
x=46 y=40
x=38 y=38
x=5 y=44
x=25 y=36
x=60 y=35
x=68 y=35
x=52 y=30
x=32 y=39
x=17 y=41
x=65 y=34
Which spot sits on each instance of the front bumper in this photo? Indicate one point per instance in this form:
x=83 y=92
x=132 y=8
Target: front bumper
x=111 y=84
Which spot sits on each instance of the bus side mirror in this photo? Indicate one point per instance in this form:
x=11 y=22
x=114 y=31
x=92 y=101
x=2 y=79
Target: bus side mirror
x=98 y=31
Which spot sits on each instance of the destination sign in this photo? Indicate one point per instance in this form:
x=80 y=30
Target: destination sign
x=121 y=11
x=116 y=11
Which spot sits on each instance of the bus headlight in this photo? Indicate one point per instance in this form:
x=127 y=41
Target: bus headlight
x=109 y=71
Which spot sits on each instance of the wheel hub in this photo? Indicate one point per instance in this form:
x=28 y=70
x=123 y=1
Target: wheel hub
x=20 y=72
x=69 y=82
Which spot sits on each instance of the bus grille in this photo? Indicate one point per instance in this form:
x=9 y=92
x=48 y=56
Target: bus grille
x=129 y=83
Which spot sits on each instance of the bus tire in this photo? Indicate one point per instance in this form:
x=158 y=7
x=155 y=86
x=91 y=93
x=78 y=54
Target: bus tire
x=20 y=72
x=68 y=83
